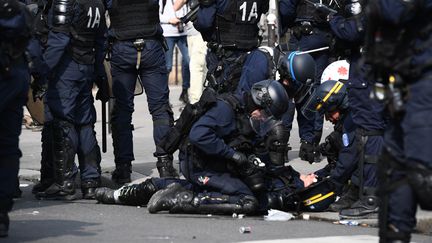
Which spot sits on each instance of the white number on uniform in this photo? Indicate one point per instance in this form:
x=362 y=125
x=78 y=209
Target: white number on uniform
x=94 y=19
x=253 y=13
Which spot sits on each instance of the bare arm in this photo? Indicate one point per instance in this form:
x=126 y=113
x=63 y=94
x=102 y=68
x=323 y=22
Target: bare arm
x=178 y=4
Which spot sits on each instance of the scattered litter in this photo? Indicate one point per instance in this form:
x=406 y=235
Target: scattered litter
x=138 y=206
x=35 y=212
x=24 y=185
x=306 y=216
x=245 y=229
x=240 y=216
x=277 y=215
x=349 y=222
x=209 y=215
x=234 y=215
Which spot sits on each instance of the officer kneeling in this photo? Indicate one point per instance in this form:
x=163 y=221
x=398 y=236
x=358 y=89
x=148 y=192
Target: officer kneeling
x=215 y=157
x=331 y=99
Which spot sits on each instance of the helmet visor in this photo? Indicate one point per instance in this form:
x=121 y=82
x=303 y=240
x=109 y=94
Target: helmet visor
x=262 y=122
x=311 y=108
x=303 y=90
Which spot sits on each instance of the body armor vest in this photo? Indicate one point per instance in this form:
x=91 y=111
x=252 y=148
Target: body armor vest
x=85 y=29
x=133 y=19
x=241 y=139
x=238 y=26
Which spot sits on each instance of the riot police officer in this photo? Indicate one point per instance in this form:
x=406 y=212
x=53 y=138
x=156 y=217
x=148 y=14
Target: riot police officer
x=215 y=157
x=138 y=52
x=74 y=57
x=39 y=85
x=308 y=30
x=401 y=59
x=331 y=99
x=281 y=181
x=348 y=28
x=15 y=29
x=231 y=30
x=296 y=70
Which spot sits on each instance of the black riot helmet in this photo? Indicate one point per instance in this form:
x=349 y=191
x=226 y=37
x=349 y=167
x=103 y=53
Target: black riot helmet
x=271 y=96
x=299 y=69
x=270 y=101
x=329 y=96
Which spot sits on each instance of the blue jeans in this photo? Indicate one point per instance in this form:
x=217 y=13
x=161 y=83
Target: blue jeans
x=181 y=42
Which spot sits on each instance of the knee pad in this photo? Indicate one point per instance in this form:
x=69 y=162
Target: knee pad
x=168 y=121
x=277 y=145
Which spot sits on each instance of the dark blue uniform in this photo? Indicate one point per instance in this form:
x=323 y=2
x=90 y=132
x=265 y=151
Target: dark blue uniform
x=38 y=70
x=366 y=114
x=15 y=23
x=308 y=31
x=408 y=135
x=230 y=28
x=207 y=137
x=139 y=23
x=255 y=69
x=74 y=56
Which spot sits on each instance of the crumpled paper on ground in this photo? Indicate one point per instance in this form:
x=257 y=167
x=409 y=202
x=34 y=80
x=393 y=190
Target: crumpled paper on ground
x=277 y=215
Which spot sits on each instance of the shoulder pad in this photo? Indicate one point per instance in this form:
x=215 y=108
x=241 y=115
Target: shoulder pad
x=206 y=3
x=62 y=12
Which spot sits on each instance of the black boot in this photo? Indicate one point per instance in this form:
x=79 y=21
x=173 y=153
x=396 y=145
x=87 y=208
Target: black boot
x=165 y=199
x=65 y=191
x=176 y=199
x=88 y=189
x=393 y=235
x=122 y=173
x=63 y=154
x=184 y=97
x=165 y=167
x=133 y=195
x=105 y=195
x=4 y=224
x=346 y=200
x=365 y=207
x=46 y=170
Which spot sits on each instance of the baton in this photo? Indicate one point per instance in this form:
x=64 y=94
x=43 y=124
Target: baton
x=314 y=50
x=104 y=142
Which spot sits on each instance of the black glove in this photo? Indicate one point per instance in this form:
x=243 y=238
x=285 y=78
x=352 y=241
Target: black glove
x=249 y=170
x=38 y=90
x=103 y=92
x=239 y=158
x=324 y=13
x=307 y=151
x=9 y=8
